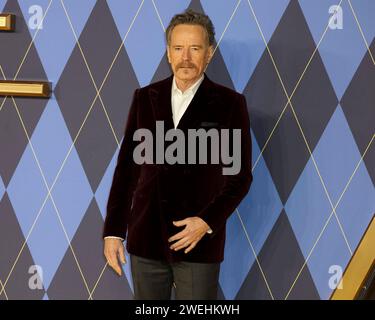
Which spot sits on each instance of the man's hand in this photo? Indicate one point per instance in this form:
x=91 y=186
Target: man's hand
x=195 y=229
x=114 y=249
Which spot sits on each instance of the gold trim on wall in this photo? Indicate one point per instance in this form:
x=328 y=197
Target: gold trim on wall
x=25 y=88
x=7 y=21
x=359 y=267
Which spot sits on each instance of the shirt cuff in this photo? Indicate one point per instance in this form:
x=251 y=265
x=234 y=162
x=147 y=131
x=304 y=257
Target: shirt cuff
x=209 y=231
x=112 y=237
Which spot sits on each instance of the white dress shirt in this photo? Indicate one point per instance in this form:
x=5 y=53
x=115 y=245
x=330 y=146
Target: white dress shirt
x=180 y=102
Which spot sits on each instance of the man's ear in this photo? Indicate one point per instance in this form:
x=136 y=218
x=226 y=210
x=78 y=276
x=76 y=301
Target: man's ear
x=210 y=53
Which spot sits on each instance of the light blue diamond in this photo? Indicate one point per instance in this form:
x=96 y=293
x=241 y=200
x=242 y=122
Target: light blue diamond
x=357 y=206
x=241 y=46
x=2 y=4
x=337 y=156
x=258 y=211
x=145 y=55
x=238 y=258
x=167 y=9
x=262 y=205
x=219 y=13
x=72 y=193
x=51 y=140
x=55 y=26
x=364 y=10
x=341 y=49
x=123 y=13
x=308 y=208
x=47 y=243
x=329 y=257
x=27 y=190
x=269 y=14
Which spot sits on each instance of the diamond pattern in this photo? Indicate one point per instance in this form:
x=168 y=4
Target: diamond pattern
x=286 y=40
x=2 y=3
x=146 y=55
x=357 y=206
x=359 y=100
x=340 y=61
x=241 y=45
x=47 y=230
x=282 y=239
x=280 y=259
x=268 y=14
x=55 y=24
x=261 y=208
x=238 y=258
x=2 y=188
x=27 y=204
x=363 y=10
x=21 y=62
x=51 y=152
x=72 y=193
x=307 y=216
x=330 y=251
x=15 y=256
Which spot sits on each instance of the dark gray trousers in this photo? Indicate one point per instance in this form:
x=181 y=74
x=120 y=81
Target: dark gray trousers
x=153 y=279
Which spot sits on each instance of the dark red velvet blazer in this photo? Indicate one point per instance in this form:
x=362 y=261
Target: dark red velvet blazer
x=145 y=199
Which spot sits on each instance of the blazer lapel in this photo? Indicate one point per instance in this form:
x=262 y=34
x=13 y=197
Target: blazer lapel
x=162 y=106
x=203 y=98
x=161 y=103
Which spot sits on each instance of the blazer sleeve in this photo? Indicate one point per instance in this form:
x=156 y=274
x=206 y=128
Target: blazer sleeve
x=124 y=179
x=236 y=186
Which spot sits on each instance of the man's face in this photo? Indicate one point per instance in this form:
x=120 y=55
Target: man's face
x=188 y=51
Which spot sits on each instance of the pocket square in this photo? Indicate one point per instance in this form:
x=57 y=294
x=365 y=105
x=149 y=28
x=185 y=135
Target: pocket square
x=209 y=124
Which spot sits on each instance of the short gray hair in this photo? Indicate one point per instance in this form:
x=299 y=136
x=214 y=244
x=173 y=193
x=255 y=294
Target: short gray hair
x=193 y=18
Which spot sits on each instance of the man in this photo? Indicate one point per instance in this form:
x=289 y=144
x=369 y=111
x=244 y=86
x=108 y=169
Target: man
x=175 y=214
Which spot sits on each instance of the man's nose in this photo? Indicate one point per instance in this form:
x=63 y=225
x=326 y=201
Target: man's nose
x=186 y=54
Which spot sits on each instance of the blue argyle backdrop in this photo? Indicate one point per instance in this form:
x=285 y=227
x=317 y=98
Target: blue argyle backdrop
x=310 y=88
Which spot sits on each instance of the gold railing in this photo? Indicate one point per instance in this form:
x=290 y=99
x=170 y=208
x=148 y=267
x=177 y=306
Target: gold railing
x=359 y=267
x=25 y=88
x=20 y=88
x=7 y=22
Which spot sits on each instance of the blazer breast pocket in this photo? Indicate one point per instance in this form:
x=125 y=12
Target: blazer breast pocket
x=209 y=124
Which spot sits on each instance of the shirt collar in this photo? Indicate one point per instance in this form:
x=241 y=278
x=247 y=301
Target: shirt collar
x=193 y=89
